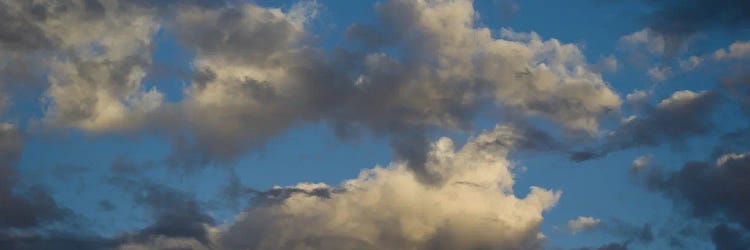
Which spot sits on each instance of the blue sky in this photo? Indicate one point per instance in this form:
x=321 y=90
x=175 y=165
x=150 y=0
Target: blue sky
x=192 y=98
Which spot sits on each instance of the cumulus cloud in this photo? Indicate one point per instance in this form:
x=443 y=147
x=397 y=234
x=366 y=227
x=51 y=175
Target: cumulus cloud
x=258 y=72
x=582 y=223
x=95 y=57
x=383 y=208
x=389 y=208
x=737 y=50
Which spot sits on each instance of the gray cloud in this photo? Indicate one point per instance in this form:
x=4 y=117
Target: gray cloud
x=678 y=20
x=25 y=208
x=712 y=192
x=683 y=115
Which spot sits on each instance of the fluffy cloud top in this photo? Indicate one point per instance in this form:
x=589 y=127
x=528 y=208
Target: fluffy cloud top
x=389 y=208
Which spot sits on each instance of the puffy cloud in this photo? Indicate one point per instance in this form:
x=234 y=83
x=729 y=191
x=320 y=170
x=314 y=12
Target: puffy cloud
x=582 y=223
x=659 y=73
x=95 y=55
x=645 y=39
x=737 y=50
x=257 y=75
x=608 y=64
x=253 y=78
x=640 y=163
x=690 y=63
x=257 y=72
x=673 y=120
x=637 y=97
x=389 y=208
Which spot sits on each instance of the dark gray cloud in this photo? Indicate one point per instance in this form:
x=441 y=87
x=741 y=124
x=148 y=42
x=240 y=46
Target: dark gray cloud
x=609 y=246
x=678 y=20
x=24 y=208
x=710 y=189
x=712 y=192
x=175 y=214
x=59 y=241
x=725 y=237
x=684 y=115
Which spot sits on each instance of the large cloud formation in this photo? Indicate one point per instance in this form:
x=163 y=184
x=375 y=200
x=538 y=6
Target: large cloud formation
x=257 y=72
x=389 y=208
x=383 y=208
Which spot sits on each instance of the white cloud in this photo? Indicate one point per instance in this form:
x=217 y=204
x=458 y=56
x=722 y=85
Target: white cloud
x=737 y=50
x=641 y=162
x=680 y=97
x=582 y=224
x=389 y=208
x=731 y=156
x=646 y=39
x=637 y=96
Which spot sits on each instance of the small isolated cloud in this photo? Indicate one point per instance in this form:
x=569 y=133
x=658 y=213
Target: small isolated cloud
x=645 y=40
x=690 y=63
x=582 y=223
x=637 y=97
x=608 y=64
x=659 y=73
x=641 y=162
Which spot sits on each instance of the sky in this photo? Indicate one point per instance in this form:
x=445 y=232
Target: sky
x=389 y=124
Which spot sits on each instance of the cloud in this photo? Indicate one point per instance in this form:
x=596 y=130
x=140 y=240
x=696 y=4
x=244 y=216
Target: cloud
x=582 y=224
x=257 y=72
x=659 y=73
x=608 y=64
x=22 y=208
x=676 y=21
x=737 y=50
x=712 y=192
x=94 y=53
x=645 y=39
x=690 y=63
x=710 y=189
x=609 y=246
x=640 y=163
x=389 y=208
x=725 y=237
x=673 y=120
x=175 y=214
